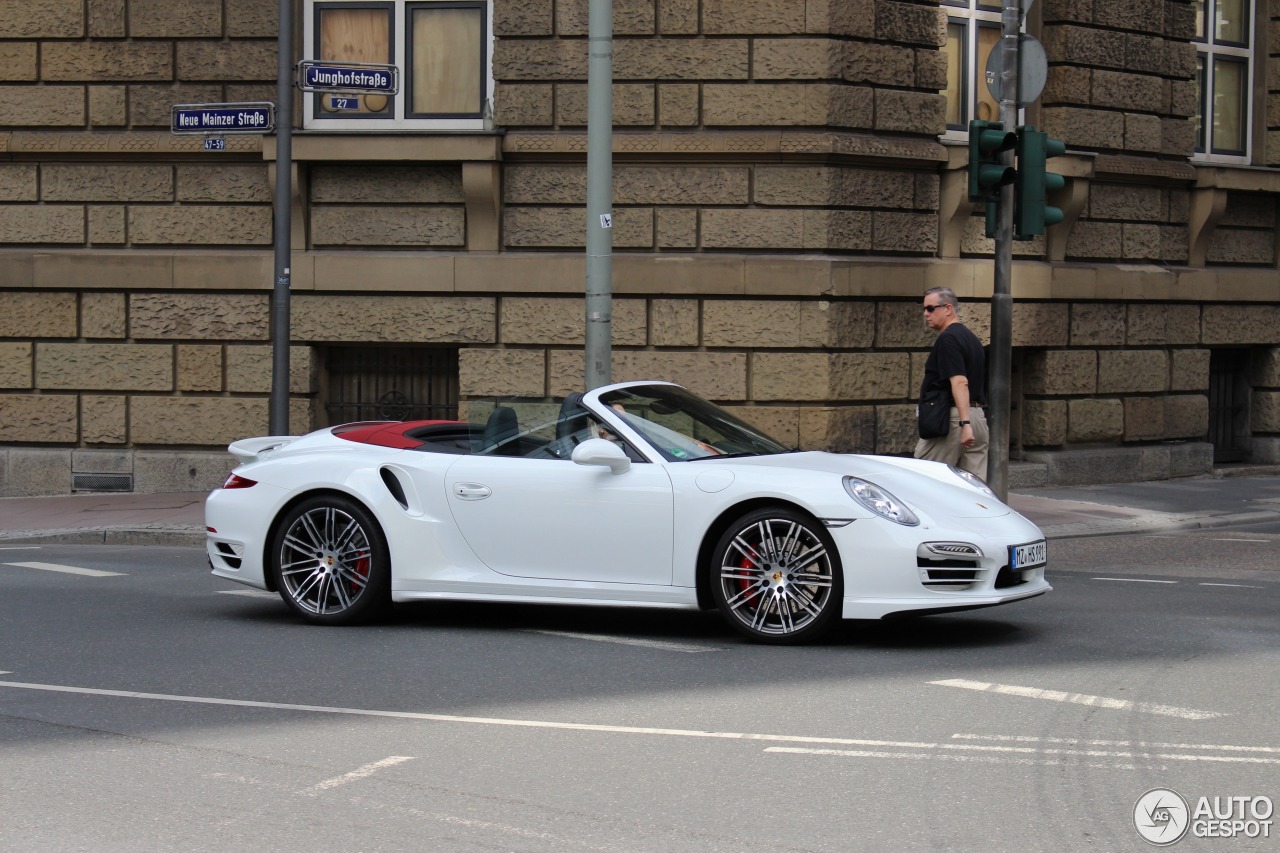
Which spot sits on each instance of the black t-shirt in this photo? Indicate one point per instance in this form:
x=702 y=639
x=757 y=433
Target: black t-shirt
x=958 y=352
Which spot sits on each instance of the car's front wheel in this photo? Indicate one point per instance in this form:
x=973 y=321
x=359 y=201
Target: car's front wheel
x=776 y=576
x=330 y=562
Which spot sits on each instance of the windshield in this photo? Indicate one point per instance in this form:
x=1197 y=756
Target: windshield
x=684 y=427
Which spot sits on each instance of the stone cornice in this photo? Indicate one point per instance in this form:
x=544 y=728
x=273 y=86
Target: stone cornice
x=754 y=145
x=732 y=145
x=1144 y=169
x=415 y=147
x=1248 y=178
x=24 y=144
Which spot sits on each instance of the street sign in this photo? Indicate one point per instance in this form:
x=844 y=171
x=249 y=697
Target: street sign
x=316 y=75
x=202 y=119
x=1033 y=69
x=215 y=143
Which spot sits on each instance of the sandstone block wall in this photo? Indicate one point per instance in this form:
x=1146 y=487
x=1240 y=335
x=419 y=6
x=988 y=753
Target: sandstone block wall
x=191 y=370
x=135 y=205
x=1120 y=85
x=717 y=69
x=107 y=72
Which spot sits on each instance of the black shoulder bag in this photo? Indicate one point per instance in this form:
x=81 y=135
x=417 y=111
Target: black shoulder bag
x=934 y=412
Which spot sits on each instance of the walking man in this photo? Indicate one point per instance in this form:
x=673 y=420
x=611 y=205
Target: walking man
x=956 y=359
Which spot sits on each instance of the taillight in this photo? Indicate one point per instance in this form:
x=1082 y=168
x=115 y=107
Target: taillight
x=235 y=481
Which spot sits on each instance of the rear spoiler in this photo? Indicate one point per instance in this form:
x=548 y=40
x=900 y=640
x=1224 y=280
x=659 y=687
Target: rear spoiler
x=248 y=449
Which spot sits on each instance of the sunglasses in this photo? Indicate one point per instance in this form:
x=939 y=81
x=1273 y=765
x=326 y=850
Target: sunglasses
x=929 y=309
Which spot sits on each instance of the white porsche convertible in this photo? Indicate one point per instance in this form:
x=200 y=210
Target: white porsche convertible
x=635 y=494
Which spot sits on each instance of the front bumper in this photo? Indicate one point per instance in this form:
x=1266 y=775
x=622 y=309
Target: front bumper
x=901 y=574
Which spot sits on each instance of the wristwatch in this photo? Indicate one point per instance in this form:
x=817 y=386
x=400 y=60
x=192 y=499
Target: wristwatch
x=966 y=423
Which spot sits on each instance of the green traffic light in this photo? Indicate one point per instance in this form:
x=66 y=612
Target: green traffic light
x=987 y=141
x=1031 y=212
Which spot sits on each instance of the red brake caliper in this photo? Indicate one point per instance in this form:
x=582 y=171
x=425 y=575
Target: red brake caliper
x=745 y=583
x=361 y=568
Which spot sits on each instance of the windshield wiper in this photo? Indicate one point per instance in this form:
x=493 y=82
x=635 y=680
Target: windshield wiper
x=736 y=455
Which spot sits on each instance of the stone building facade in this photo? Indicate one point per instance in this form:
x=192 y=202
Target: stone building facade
x=785 y=187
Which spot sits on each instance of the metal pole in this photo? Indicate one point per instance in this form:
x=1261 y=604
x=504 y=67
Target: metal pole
x=998 y=404
x=599 y=332
x=282 y=225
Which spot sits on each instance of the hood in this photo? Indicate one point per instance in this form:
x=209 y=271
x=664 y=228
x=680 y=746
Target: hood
x=929 y=487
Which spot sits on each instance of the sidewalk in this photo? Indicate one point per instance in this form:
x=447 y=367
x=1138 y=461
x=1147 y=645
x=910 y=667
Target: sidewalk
x=1061 y=512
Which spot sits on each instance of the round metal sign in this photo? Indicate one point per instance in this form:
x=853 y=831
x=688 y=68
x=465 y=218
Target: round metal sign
x=1033 y=69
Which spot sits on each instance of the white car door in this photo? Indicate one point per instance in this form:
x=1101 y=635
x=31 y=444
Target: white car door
x=555 y=519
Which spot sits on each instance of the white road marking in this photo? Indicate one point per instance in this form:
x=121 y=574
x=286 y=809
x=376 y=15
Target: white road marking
x=19 y=547
x=1031 y=754
x=250 y=593
x=630 y=641
x=451 y=718
x=973 y=759
x=1224 y=747
x=1038 y=755
x=1065 y=750
x=1243 y=540
x=1132 y=580
x=1079 y=699
x=1236 y=585
x=358 y=774
x=70 y=570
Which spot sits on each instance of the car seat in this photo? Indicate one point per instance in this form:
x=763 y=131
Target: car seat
x=501 y=426
x=573 y=417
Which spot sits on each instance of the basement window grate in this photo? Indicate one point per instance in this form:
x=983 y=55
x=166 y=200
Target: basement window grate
x=102 y=482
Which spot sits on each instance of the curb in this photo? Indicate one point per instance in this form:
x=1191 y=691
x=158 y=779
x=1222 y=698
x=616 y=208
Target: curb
x=1156 y=523
x=179 y=537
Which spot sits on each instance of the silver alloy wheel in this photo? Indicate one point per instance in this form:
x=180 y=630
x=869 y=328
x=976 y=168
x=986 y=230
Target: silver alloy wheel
x=776 y=577
x=325 y=559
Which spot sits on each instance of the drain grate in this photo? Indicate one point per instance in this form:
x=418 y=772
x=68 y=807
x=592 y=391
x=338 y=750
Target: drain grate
x=102 y=482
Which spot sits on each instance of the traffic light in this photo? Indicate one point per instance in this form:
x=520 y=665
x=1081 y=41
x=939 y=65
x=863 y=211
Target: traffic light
x=1033 y=184
x=987 y=141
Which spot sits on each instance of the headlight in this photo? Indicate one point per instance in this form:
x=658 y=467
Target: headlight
x=879 y=501
x=976 y=482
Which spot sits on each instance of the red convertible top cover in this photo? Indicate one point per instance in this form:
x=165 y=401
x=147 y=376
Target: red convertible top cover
x=386 y=433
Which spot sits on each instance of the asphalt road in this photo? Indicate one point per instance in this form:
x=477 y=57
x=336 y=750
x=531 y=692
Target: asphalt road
x=159 y=708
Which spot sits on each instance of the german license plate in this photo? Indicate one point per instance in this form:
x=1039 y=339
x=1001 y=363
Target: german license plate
x=1028 y=556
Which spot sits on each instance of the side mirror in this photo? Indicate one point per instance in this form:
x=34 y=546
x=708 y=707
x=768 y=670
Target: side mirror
x=599 y=451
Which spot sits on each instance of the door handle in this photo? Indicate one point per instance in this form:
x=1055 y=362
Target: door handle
x=472 y=491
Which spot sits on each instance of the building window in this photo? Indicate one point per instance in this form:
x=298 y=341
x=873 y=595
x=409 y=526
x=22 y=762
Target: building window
x=391 y=383
x=442 y=48
x=1224 y=78
x=973 y=29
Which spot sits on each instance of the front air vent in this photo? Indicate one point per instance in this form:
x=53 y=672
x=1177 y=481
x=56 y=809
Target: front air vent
x=1007 y=577
x=102 y=482
x=949 y=579
x=949 y=566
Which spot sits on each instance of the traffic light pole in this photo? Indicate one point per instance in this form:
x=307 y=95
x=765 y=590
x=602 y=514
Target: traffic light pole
x=999 y=369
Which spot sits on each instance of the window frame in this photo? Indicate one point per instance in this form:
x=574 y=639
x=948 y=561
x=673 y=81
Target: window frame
x=1209 y=53
x=973 y=16
x=401 y=117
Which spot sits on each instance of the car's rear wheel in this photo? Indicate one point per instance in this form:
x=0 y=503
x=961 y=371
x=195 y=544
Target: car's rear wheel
x=330 y=562
x=776 y=576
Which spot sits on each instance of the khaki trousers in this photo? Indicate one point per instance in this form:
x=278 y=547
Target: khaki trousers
x=949 y=449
